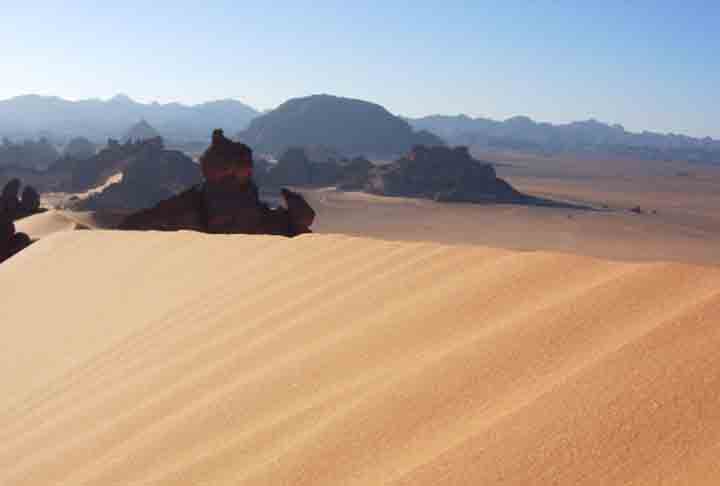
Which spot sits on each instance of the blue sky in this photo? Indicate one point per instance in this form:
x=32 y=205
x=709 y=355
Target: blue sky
x=648 y=65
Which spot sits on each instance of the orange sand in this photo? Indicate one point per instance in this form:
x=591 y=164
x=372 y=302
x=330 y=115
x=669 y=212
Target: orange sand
x=144 y=359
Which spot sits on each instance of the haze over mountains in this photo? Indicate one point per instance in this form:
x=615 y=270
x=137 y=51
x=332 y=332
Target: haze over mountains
x=32 y=115
x=524 y=134
x=348 y=125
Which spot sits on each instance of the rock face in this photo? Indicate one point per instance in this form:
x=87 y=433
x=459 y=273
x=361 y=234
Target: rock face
x=349 y=126
x=442 y=174
x=152 y=174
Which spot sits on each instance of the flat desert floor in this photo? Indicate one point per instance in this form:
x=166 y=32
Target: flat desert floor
x=441 y=344
x=680 y=219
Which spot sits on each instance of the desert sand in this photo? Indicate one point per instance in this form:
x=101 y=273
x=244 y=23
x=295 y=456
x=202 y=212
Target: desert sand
x=182 y=358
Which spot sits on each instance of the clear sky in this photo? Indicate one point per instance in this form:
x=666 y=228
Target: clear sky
x=646 y=64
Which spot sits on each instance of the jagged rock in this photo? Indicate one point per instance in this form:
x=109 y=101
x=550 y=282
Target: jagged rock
x=30 y=202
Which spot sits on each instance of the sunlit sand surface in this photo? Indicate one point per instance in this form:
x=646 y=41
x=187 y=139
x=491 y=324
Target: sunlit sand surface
x=188 y=359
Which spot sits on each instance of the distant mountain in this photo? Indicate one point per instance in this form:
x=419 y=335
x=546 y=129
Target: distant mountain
x=524 y=134
x=30 y=116
x=347 y=125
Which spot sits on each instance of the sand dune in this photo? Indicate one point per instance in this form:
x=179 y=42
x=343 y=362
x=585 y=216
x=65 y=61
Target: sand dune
x=187 y=359
x=53 y=221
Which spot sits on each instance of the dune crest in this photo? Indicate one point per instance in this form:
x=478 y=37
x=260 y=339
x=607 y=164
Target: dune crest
x=183 y=358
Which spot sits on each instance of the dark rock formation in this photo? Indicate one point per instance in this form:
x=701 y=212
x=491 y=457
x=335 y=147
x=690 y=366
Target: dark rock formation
x=13 y=208
x=9 y=201
x=150 y=175
x=442 y=174
x=77 y=175
x=11 y=242
x=349 y=126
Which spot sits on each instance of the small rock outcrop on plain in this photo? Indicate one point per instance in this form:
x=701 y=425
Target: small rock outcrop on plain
x=442 y=174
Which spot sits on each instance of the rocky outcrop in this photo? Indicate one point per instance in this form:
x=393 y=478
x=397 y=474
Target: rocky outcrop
x=80 y=175
x=13 y=207
x=442 y=174
x=351 y=127
x=152 y=174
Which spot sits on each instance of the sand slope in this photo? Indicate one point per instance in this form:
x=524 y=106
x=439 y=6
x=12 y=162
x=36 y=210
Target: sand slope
x=193 y=360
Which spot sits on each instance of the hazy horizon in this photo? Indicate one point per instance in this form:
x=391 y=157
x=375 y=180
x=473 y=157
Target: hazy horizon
x=644 y=66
